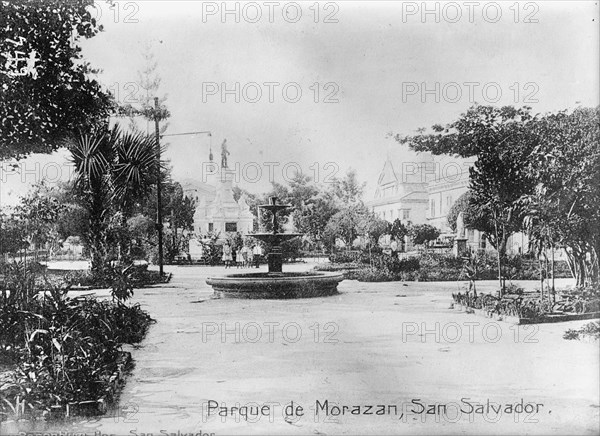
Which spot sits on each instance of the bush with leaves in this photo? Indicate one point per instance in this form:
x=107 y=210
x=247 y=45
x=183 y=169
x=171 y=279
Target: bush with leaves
x=64 y=349
x=591 y=329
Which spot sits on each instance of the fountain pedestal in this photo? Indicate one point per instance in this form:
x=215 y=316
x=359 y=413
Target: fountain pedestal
x=275 y=260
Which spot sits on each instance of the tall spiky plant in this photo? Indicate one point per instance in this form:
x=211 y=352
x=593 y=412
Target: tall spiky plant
x=92 y=155
x=134 y=172
x=113 y=170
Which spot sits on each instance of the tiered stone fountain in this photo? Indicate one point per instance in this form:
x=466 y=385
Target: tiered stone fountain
x=275 y=284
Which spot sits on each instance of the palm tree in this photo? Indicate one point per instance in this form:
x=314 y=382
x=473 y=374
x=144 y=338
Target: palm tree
x=113 y=170
x=134 y=172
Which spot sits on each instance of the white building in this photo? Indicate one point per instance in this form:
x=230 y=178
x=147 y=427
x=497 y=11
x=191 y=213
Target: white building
x=222 y=214
x=421 y=188
x=216 y=209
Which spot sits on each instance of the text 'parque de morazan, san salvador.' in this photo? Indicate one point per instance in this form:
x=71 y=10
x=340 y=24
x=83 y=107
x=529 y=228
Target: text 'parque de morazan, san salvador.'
x=465 y=407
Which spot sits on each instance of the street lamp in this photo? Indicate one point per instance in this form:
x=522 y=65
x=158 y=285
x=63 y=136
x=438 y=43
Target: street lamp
x=159 y=222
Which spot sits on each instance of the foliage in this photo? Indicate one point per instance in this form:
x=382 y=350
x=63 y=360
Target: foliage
x=19 y=287
x=212 y=250
x=314 y=204
x=398 y=230
x=347 y=256
x=564 y=208
x=517 y=303
x=348 y=189
x=65 y=349
x=70 y=350
x=149 y=82
x=138 y=277
x=178 y=213
x=439 y=267
x=422 y=234
x=113 y=170
x=13 y=234
x=345 y=225
x=591 y=329
x=501 y=139
x=46 y=91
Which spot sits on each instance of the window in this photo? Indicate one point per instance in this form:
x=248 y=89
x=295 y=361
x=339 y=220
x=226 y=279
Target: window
x=449 y=200
x=432 y=208
x=231 y=227
x=211 y=227
x=406 y=214
x=384 y=214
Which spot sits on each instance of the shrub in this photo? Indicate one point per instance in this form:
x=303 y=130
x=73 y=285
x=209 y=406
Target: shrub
x=68 y=349
x=591 y=329
x=65 y=349
x=139 y=277
x=509 y=305
x=443 y=267
x=346 y=257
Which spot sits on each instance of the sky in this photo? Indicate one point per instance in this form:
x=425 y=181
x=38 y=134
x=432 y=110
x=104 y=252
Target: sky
x=319 y=86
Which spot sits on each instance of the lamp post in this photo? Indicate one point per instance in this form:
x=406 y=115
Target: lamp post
x=159 y=220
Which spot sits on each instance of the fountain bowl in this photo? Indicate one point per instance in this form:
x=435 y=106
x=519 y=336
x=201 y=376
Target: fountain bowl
x=279 y=286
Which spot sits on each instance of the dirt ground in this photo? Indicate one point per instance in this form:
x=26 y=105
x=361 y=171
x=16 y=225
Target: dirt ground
x=379 y=358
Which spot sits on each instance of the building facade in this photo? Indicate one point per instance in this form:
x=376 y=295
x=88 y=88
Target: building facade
x=216 y=209
x=420 y=188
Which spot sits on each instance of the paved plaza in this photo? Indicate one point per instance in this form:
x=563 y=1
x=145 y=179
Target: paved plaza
x=393 y=345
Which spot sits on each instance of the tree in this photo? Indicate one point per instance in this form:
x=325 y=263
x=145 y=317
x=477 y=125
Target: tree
x=349 y=190
x=373 y=227
x=398 y=230
x=13 y=234
x=46 y=93
x=345 y=225
x=312 y=205
x=502 y=140
x=422 y=234
x=39 y=213
x=460 y=205
x=149 y=81
x=113 y=171
x=564 y=209
x=475 y=215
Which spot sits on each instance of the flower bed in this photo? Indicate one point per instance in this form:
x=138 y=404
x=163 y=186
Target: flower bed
x=429 y=267
x=528 y=308
x=72 y=355
x=64 y=354
x=589 y=333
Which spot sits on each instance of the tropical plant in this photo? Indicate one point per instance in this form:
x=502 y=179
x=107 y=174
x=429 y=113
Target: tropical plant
x=113 y=171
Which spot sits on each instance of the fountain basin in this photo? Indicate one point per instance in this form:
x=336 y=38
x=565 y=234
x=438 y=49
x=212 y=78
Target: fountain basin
x=276 y=285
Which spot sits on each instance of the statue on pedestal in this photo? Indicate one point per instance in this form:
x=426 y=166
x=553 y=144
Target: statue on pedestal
x=224 y=154
x=460 y=241
x=460 y=226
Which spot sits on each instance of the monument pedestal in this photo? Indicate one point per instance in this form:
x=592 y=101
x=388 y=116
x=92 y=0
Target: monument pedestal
x=460 y=247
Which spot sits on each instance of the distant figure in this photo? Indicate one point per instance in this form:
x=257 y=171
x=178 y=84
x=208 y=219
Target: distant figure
x=227 y=255
x=249 y=257
x=224 y=154
x=256 y=254
x=244 y=253
x=239 y=257
x=460 y=226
